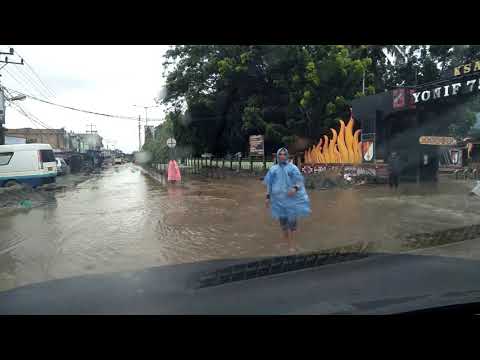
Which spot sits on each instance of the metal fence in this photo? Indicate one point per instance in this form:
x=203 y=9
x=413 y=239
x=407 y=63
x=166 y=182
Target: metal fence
x=196 y=165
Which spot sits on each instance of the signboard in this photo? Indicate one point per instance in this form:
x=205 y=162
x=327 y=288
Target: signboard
x=467 y=68
x=256 y=145
x=399 y=98
x=402 y=98
x=2 y=107
x=368 y=148
x=171 y=142
x=437 y=140
x=358 y=170
x=446 y=90
x=470 y=68
x=456 y=157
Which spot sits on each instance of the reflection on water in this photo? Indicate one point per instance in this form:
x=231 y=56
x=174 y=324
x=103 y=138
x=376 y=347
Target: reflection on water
x=123 y=219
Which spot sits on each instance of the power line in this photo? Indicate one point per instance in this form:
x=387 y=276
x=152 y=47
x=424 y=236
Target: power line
x=73 y=108
x=20 y=82
x=76 y=109
x=37 y=119
x=24 y=113
x=91 y=128
x=6 y=61
x=31 y=81
x=48 y=88
x=29 y=115
x=34 y=118
x=24 y=81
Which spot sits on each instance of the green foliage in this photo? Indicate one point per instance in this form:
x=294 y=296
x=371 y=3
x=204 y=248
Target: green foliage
x=218 y=95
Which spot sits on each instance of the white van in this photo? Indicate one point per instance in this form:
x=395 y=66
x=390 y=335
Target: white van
x=32 y=164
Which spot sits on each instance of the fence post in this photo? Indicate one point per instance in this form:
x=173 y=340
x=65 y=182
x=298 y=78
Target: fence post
x=264 y=162
x=223 y=162
x=239 y=163
x=231 y=163
x=216 y=164
x=211 y=162
x=251 y=163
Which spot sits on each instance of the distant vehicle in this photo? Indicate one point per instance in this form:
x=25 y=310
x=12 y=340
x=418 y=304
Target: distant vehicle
x=118 y=161
x=32 y=164
x=61 y=166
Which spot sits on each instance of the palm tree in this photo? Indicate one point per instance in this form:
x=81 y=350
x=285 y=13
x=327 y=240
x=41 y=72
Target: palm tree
x=383 y=56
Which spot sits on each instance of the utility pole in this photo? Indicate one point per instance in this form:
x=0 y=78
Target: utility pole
x=146 y=113
x=91 y=128
x=2 y=94
x=2 y=116
x=139 y=134
x=146 y=123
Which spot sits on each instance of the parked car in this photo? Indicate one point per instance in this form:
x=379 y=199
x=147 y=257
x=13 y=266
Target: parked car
x=118 y=161
x=61 y=166
x=32 y=164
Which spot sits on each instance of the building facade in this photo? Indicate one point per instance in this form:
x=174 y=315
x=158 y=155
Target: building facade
x=84 y=142
x=55 y=137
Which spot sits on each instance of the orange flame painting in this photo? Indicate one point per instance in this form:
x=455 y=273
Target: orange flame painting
x=343 y=148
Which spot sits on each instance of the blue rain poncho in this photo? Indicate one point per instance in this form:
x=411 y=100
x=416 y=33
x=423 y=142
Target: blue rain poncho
x=279 y=180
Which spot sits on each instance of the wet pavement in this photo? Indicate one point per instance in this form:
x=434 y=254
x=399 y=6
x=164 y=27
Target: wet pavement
x=122 y=219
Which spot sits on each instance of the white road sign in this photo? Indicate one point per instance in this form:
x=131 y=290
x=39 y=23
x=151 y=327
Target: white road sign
x=171 y=142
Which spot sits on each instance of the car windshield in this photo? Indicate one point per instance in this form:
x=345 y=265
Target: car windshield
x=239 y=153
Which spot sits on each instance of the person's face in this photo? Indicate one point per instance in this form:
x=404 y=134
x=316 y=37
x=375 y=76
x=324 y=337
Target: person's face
x=282 y=156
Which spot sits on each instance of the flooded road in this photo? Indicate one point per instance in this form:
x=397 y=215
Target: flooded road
x=122 y=219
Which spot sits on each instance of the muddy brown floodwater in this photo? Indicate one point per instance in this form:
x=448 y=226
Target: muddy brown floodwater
x=125 y=220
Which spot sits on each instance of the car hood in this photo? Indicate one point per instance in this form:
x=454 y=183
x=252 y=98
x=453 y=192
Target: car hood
x=377 y=284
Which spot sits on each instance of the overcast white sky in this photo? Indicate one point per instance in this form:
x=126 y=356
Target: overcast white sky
x=101 y=78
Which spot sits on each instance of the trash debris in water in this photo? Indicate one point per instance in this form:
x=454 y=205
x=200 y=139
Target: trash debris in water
x=476 y=189
x=26 y=203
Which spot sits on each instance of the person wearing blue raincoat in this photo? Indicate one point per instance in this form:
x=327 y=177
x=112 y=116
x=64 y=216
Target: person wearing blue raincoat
x=286 y=195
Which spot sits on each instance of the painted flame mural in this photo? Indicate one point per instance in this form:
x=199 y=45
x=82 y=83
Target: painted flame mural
x=343 y=148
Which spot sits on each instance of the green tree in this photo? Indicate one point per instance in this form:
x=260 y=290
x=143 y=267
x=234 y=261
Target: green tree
x=231 y=91
x=218 y=95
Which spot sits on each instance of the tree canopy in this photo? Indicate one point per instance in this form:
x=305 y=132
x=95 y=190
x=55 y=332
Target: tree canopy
x=218 y=95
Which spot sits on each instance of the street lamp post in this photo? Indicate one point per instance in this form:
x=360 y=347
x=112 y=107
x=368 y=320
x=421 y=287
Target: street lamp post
x=146 y=119
x=146 y=109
